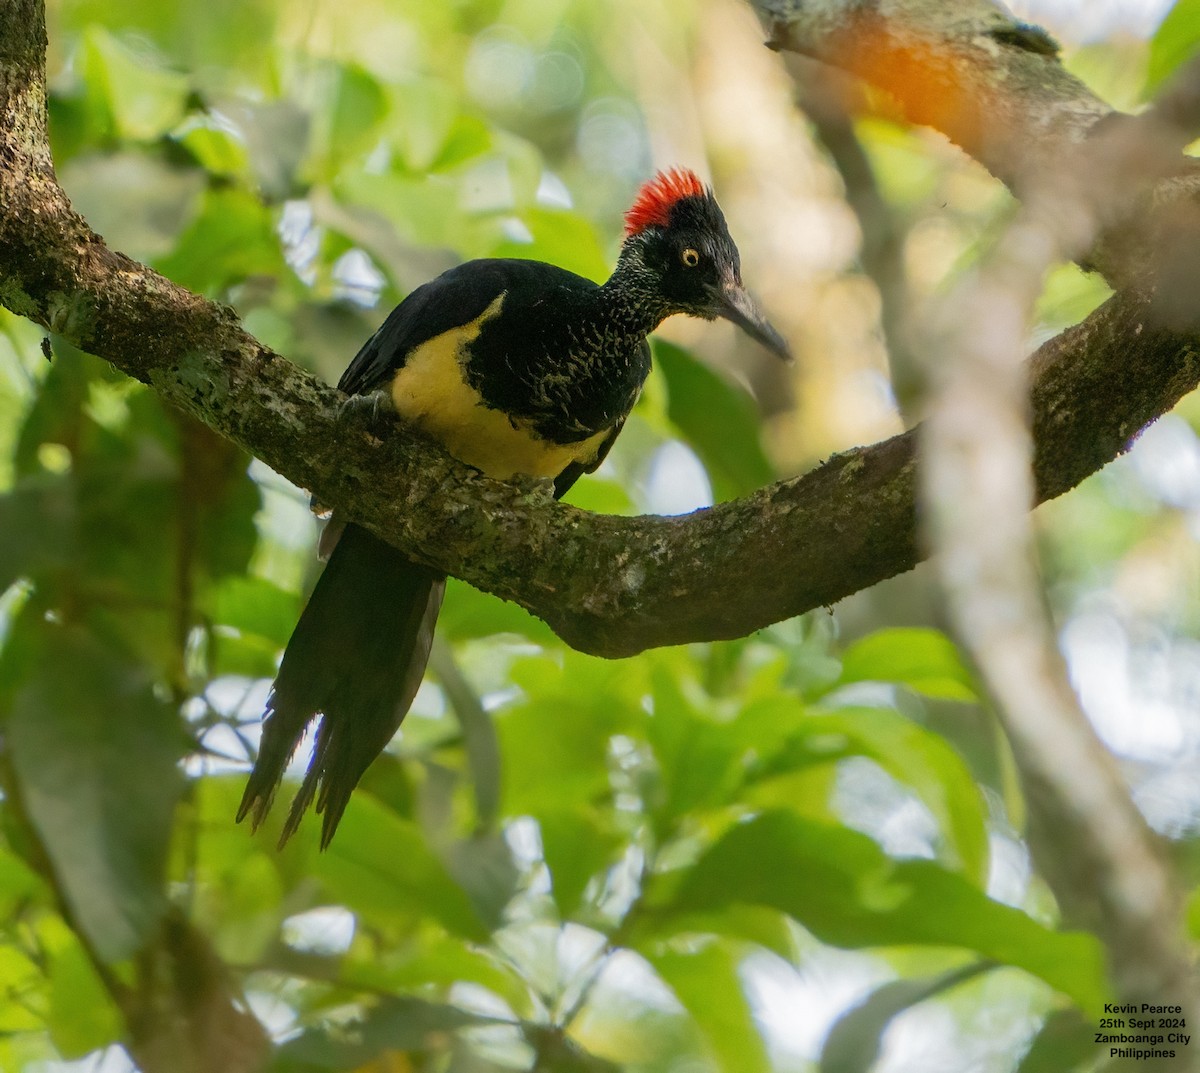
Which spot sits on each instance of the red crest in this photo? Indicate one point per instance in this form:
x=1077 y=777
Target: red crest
x=655 y=199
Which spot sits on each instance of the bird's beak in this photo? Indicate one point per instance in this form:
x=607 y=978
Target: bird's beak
x=730 y=300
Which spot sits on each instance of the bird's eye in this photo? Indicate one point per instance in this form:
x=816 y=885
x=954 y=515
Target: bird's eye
x=690 y=258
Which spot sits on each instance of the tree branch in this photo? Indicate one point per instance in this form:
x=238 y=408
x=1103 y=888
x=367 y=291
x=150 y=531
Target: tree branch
x=1105 y=866
x=610 y=586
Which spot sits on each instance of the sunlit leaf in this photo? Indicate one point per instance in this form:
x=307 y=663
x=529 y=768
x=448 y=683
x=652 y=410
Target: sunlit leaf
x=253 y=605
x=913 y=756
x=434 y=958
x=707 y=983
x=1174 y=43
x=577 y=843
x=390 y=886
x=347 y=125
x=924 y=660
x=18 y=882
x=700 y=758
x=21 y=975
x=553 y=745
x=245 y=905
x=143 y=100
x=232 y=238
x=757 y=924
x=561 y=237
x=216 y=150
x=82 y=1015
x=841 y=887
x=423 y=117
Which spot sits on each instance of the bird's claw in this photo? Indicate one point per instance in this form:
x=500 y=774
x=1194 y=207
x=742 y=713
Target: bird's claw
x=373 y=406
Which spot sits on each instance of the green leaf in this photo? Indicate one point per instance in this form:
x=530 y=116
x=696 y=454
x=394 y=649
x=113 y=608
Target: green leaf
x=853 y=1042
x=554 y=746
x=423 y=117
x=600 y=495
x=479 y=733
x=468 y=139
x=560 y=237
x=245 y=905
x=216 y=150
x=431 y=958
x=700 y=758
x=18 y=882
x=924 y=660
x=400 y=1023
x=1173 y=44
x=231 y=239
x=423 y=211
x=253 y=605
x=706 y=982
x=20 y=975
x=348 y=126
x=141 y=99
x=577 y=843
x=243 y=655
x=37 y=528
x=913 y=756
x=1066 y=1041
x=760 y=925
x=95 y=753
x=840 y=885
x=717 y=419
x=389 y=886
x=483 y=866
x=82 y=1016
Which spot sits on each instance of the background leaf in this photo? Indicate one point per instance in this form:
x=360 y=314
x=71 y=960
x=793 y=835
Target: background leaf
x=842 y=888
x=706 y=981
x=717 y=419
x=95 y=755
x=1175 y=42
x=924 y=660
x=853 y=1043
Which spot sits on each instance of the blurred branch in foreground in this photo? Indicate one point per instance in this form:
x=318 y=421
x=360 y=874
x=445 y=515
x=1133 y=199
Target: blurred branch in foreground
x=996 y=88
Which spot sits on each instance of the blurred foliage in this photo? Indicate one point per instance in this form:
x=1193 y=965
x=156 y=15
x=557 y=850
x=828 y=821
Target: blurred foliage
x=562 y=863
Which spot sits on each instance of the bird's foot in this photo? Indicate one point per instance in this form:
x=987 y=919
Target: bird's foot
x=376 y=408
x=535 y=488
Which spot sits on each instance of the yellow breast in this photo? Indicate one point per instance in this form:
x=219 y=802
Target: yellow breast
x=432 y=392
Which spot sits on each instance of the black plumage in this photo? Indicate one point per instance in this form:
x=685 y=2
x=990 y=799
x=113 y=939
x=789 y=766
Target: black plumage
x=518 y=367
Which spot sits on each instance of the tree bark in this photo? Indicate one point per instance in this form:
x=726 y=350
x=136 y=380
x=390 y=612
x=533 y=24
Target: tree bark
x=609 y=586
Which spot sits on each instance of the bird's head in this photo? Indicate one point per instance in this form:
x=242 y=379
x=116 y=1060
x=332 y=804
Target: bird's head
x=677 y=233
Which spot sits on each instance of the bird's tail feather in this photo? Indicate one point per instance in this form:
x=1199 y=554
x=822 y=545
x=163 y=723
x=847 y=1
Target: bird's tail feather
x=357 y=657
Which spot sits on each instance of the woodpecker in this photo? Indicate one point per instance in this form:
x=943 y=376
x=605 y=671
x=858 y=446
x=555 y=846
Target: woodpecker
x=518 y=368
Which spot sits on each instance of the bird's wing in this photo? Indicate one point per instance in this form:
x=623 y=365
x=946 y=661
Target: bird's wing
x=575 y=470
x=452 y=300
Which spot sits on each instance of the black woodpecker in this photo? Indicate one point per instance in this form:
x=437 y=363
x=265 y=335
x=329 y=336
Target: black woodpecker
x=518 y=367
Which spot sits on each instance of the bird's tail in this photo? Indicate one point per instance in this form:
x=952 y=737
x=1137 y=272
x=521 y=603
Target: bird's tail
x=357 y=657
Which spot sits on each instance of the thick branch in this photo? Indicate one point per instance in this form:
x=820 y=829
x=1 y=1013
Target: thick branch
x=996 y=88
x=975 y=73
x=966 y=69
x=608 y=585
x=612 y=586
